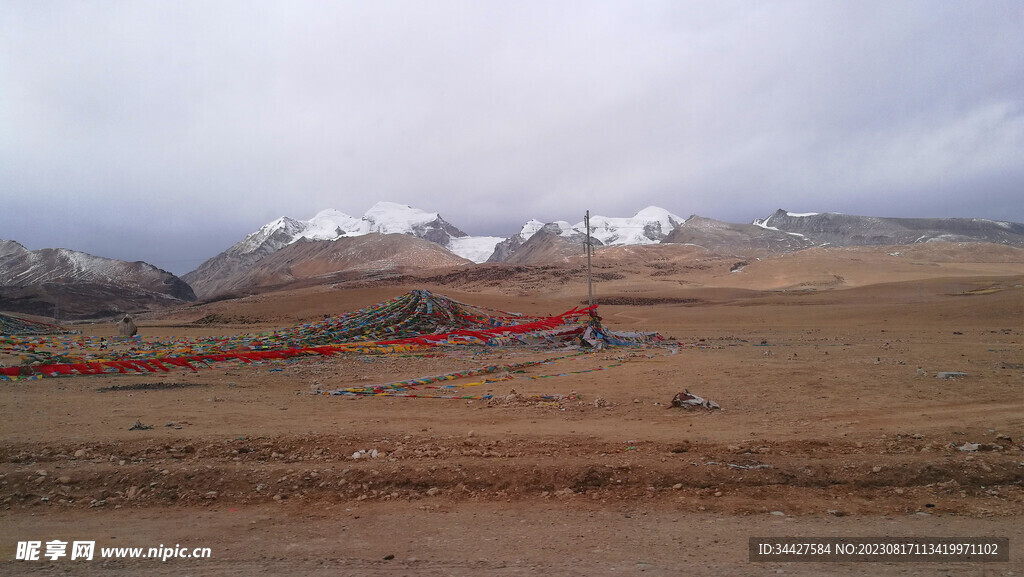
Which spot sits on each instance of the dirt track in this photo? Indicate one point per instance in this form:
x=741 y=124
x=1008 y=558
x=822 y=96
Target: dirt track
x=828 y=427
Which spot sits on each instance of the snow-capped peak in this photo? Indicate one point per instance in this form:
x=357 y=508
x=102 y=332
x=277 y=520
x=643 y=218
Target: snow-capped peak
x=273 y=235
x=331 y=214
x=383 y=217
x=328 y=225
x=648 y=226
x=284 y=223
x=656 y=213
x=530 y=228
x=391 y=217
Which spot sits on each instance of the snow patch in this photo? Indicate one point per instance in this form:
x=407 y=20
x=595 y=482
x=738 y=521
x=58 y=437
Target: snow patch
x=330 y=224
x=564 y=228
x=764 y=224
x=475 y=248
x=999 y=223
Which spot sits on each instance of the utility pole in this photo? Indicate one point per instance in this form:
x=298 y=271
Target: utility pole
x=589 y=247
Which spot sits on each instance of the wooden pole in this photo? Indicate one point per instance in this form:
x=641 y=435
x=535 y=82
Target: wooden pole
x=589 y=247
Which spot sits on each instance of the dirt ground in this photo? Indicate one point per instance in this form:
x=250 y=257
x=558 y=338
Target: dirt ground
x=833 y=423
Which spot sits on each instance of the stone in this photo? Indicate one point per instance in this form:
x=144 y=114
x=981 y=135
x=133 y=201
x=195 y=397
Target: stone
x=126 y=327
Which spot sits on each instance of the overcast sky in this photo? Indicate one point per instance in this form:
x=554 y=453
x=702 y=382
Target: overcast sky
x=166 y=131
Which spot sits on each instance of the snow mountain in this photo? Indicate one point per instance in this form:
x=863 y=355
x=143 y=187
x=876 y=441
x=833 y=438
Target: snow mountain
x=241 y=266
x=223 y=271
x=233 y=268
x=648 y=226
x=504 y=249
x=330 y=224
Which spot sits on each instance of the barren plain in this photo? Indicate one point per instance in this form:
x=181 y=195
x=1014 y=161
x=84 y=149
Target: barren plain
x=834 y=422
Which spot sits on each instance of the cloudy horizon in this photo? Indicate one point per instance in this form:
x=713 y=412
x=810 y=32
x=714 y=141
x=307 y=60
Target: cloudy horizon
x=167 y=131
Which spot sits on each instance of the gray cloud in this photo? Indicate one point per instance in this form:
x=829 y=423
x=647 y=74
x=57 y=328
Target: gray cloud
x=164 y=131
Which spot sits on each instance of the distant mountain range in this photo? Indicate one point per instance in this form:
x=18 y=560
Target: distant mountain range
x=244 y=266
x=67 y=284
x=837 y=229
x=236 y=268
x=392 y=238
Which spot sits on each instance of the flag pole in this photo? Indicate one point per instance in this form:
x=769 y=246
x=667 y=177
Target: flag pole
x=589 y=246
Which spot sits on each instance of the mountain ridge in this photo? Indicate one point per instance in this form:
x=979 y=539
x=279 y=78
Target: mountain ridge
x=61 y=275
x=370 y=255
x=839 y=229
x=63 y=283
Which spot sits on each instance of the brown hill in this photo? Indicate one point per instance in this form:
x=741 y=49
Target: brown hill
x=368 y=256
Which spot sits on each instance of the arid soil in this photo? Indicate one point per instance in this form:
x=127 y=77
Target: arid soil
x=833 y=423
